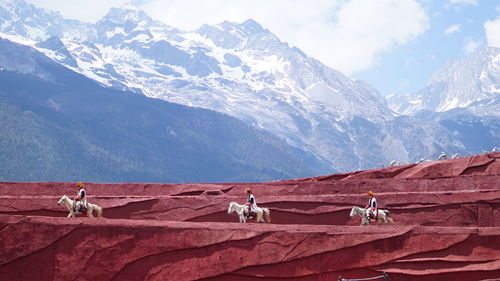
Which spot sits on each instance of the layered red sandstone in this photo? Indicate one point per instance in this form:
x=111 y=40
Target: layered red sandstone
x=446 y=213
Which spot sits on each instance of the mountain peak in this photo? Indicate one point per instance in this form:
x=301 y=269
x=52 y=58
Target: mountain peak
x=52 y=43
x=459 y=83
x=248 y=27
x=230 y=35
x=252 y=26
x=11 y=2
x=490 y=51
x=61 y=53
x=126 y=13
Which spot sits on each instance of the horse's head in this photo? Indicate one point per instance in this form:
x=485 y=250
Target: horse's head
x=231 y=208
x=65 y=200
x=353 y=211
x=61 y=200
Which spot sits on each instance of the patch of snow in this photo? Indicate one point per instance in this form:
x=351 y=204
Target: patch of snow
x=118 y=30
x=18 y=39
x=35 y=33
x=141 y=38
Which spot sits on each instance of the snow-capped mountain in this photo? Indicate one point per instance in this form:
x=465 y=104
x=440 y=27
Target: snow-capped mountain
x=25 y=20
x=472 y=83
x=58 y=125
x=243 y=70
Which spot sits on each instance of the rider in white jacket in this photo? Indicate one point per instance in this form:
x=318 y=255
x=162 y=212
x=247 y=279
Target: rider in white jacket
x=371 y=208
x=251 y=203
x=81 y=198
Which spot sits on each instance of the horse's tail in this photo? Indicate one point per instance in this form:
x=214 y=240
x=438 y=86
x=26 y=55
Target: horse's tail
x=267 y=215
x=387 y=214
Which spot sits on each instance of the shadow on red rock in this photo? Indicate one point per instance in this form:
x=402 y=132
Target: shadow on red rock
x=447 y=227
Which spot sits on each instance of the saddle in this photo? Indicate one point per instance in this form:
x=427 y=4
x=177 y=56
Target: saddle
x=373 y=217
x=251 y=214
x=82 y=209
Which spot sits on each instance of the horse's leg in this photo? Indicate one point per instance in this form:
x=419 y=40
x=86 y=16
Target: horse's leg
x=259 y=217
x=99 y=211
x=268 y=216
x=265 y=215
x=363 y=220
x=386 y=219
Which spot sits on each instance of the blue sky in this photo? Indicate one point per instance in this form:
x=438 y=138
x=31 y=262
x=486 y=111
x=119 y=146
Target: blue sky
x=395 y=45
x=454 y=32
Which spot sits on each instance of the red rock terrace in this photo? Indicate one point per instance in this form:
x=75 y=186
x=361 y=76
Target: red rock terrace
x=446 y=214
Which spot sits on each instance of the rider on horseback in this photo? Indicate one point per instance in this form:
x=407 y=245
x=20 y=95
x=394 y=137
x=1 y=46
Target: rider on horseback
x=251 y=204
x=81 y=199
x=371 y=208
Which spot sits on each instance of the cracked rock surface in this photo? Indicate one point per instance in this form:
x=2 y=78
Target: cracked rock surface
x=446 y=227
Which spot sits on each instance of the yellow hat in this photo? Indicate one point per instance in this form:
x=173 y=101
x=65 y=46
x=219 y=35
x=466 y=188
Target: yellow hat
x=248 y=190
x=370 y=193
x=79 y=184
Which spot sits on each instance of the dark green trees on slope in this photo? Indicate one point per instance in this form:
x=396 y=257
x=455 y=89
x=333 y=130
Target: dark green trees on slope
x=56 y=125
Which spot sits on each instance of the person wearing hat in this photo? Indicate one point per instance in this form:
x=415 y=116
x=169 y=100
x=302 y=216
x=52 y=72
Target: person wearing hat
x=371 y=208
x=251 y=204
x=81 y=198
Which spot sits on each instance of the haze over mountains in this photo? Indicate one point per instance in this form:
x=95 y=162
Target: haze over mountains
x=472 y=83
x=329 y=121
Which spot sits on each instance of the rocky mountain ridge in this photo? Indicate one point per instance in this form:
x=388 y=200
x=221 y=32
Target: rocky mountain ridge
x=245 y=71
x=472 y=83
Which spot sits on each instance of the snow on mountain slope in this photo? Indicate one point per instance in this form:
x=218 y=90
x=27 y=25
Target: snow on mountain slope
x=472 y=82
x=245 y=71
x=23 y=19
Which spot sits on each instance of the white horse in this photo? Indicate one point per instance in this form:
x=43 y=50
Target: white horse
x=70 y=205
x=383 y=215
x=240 y=211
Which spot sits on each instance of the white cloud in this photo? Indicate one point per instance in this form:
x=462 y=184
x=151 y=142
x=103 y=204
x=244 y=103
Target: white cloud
x=471 y=46
x=492 y=29
x=463 y=2
x=367 y=28
x=84 y=10
x=453 y=29
x=348 y=35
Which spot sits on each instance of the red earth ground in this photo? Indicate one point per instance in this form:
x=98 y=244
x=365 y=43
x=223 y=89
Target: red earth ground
x=446 y=227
